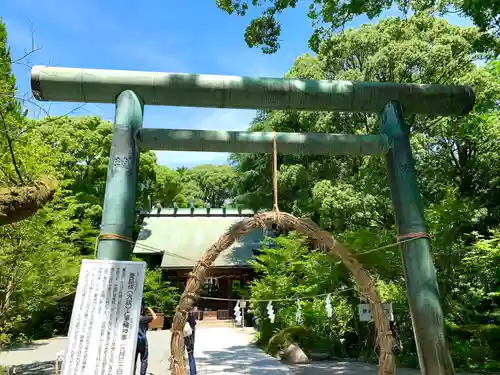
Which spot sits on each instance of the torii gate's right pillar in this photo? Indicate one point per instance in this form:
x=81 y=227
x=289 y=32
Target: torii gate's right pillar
x=420 y=273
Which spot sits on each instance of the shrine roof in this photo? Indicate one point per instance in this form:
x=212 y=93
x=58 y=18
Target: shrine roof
x=183 y=235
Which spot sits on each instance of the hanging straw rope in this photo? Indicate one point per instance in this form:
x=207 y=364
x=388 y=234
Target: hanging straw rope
x=323 y=239
x=365 y=281
x=275 y=176
x=293 y=299
x=111 y=236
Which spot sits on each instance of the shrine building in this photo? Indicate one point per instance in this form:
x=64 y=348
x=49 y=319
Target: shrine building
x=176 y=238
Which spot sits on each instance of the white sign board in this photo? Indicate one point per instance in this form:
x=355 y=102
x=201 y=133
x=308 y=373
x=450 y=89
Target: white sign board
x=102 y=335
x=243 y=304
x=365 y=312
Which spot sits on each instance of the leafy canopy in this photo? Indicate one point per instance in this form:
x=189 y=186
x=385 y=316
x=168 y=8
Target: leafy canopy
x=328 y=16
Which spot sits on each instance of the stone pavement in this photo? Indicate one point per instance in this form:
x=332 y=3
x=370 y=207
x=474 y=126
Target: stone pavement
x=218 y=350
x=33 y=359
x=228 y=351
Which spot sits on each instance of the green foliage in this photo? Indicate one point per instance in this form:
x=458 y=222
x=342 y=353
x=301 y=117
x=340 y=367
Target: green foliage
x=169 y=187
x=199 y=185
x=160 y=295
x=215 y=183
x=329 y=16
x=475 y=347
x=457 y=161
x=40 y=256
x=351 y=192
x=457 y=164
x=36 y=264
x=11 y=118
x=290 y=270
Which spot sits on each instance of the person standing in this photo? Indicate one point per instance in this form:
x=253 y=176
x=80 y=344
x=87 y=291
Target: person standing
x=142 y=339
x=189 y=341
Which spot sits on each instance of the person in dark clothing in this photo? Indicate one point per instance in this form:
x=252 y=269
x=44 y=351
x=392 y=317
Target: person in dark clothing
x=142 y=339
x=189 y=341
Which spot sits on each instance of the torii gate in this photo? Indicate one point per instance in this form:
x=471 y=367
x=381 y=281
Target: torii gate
x=132 y=90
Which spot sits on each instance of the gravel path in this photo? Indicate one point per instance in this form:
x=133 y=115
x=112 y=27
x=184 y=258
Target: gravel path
x=218 y=350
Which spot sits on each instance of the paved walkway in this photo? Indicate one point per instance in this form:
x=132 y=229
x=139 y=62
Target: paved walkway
x=219 y=351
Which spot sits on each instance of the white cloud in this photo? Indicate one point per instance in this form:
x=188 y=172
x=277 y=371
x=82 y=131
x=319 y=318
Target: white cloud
x=176 y=159
x=218 y=119
x=227 y=119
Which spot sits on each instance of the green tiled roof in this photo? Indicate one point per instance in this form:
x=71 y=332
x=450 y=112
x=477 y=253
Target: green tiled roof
x=183 y=239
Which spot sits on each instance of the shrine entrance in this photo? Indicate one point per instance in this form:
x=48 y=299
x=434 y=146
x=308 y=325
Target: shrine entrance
x=130 y=91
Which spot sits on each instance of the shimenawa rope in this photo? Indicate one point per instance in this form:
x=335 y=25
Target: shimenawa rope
x=110 y=236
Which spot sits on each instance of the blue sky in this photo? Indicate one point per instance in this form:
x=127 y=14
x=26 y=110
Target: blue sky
x=154 y=35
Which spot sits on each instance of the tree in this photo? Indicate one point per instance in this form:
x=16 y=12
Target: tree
x=457 y=165
x=20 y=195
x=168 y=186
x=215 y=183
x=421 y=49
x=328 y=16
x=53 y=176
x=80 y=148
x=36 y=264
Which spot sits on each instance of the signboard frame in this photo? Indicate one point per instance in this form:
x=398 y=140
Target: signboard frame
x=365 y=314
x=105 y=318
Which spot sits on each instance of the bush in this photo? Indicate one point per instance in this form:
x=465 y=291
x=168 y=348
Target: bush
x=291 y=270
x=475 y=347
x=160 y=295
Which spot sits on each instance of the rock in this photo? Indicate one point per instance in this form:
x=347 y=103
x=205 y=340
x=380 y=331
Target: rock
x=293 y=354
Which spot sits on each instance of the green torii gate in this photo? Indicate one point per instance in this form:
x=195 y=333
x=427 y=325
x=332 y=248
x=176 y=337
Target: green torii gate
x=132 y=90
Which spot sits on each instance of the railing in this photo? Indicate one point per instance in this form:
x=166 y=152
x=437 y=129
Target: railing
x=223 y=315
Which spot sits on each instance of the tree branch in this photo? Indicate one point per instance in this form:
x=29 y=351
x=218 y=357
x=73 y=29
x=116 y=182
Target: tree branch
x=34 y=48
x=11 y=148
x=48 y=121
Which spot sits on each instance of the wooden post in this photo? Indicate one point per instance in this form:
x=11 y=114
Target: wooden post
x=230 y=292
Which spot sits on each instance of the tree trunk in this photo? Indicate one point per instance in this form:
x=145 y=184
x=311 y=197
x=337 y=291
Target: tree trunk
x=21 y=202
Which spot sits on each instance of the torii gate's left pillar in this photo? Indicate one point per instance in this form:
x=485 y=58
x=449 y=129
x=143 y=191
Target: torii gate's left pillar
x=118 y=214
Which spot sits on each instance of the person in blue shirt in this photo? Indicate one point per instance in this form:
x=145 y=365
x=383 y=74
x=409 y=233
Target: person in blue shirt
x=142 y=339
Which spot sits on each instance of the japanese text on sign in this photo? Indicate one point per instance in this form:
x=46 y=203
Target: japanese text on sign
x=365 y=312
x=103 y=330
